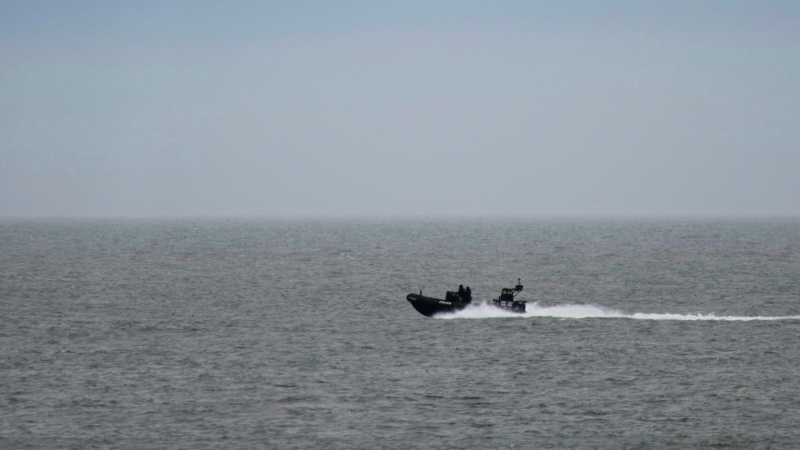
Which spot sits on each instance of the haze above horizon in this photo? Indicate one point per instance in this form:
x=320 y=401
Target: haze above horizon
x=404 y=109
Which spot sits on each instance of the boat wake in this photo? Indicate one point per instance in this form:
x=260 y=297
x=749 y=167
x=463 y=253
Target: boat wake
x=484 y=311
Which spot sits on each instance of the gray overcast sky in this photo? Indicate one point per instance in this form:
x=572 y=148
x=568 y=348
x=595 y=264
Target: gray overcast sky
x=408 y=108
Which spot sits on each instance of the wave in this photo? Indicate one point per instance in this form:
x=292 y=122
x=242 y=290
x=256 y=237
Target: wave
x=484 y=311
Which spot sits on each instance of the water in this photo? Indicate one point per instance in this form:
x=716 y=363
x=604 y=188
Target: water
x=297 y=334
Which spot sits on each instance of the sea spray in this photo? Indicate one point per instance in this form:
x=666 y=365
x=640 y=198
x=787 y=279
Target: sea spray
x=485 y=311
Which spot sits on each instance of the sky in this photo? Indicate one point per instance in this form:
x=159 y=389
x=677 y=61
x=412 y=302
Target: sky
x=399 y=109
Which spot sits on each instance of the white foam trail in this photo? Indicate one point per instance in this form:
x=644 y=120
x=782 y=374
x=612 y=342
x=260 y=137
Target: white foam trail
x=484 y=311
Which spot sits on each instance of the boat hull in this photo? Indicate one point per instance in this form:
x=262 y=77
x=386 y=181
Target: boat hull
x=429 y=306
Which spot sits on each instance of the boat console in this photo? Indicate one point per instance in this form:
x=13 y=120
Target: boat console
x=506 y=299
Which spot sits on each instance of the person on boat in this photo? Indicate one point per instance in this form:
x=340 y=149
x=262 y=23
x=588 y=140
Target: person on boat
x=468 y=294
x=462 y=294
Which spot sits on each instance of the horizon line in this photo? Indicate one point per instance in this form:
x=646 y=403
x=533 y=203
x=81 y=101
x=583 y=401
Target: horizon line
x=390 y=217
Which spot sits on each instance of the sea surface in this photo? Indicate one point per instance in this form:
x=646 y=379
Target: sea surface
x=296 y=334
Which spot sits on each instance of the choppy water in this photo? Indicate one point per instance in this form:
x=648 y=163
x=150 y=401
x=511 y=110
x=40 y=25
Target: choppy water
x=297 y=334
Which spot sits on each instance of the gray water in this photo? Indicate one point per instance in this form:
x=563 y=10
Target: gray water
x=297 y=334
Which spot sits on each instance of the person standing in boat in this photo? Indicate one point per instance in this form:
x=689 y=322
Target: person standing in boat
x=468 y=294
x=462 y=294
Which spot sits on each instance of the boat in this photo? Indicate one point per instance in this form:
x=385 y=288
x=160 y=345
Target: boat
x=428 y=306
x=456 y=301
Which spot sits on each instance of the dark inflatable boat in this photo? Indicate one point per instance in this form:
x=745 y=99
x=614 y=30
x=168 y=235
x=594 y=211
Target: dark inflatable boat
x=456 y=301
x=428 y=306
